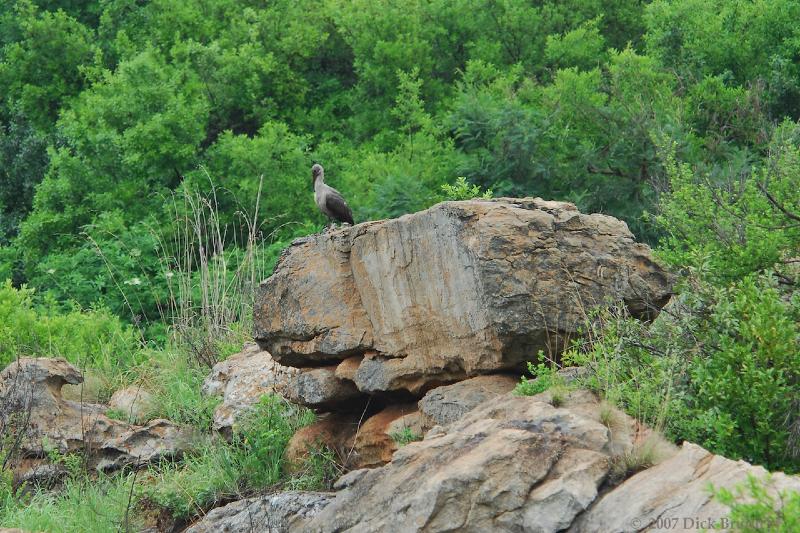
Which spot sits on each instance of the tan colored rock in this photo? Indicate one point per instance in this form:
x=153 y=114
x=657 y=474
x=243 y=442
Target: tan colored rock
x=347 y=369
x=31 y=403
x=449 y=403
x=242 y=380
x=511 y=464
x=461 y=289
x=336 y=431
x=411 y=423
x=319 y=388
x=675 y=494
x=134 y=402
x=374 y=443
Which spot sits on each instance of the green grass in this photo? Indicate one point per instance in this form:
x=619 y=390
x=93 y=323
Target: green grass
x=404 y=436
x=82 y=505
x=251 y=461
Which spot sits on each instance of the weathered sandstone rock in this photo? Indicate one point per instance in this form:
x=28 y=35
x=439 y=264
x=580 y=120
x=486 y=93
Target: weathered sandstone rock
x=511 y=464
x=458 y=290
x=449 y=403
x=31 y=403
x=319 y=388
x=134 y=402
x=674 y=495
x=241 y=380
x=274 y=513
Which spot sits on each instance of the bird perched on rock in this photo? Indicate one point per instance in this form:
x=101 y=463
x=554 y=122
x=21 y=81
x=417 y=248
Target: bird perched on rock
x=328 y=199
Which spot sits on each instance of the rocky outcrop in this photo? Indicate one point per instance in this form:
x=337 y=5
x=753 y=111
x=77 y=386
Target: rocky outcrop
x=33 y=408
x=458 y=290
x=512 y=464
x=241 y=380
x=675 y=496
x=274 y=513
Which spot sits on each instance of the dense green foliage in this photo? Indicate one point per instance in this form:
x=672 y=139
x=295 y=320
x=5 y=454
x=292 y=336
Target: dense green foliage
x=94 y=339
x=155 y=159
x=111 y=107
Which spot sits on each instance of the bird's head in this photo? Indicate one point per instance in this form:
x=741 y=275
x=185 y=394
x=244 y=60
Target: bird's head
x=317 y=172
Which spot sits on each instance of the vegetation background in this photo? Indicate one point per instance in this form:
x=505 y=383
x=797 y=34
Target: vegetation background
x=155 y=156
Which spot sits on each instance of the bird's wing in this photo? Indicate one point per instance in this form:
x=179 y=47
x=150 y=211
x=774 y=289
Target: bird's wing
x=335 y=203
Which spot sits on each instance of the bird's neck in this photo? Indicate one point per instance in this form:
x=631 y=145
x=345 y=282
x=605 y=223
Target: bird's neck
x=318 y=183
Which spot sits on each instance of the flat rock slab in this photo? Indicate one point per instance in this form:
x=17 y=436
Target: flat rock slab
x=458 y=290
x=273 y=513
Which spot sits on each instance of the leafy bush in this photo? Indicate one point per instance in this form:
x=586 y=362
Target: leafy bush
x=756 y=507
x=545 y=376
x=720 y=368
x=461 y=190
x=728 y=226
x=93 y=338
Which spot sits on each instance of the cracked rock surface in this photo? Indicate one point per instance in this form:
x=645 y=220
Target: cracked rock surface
x=458 y=290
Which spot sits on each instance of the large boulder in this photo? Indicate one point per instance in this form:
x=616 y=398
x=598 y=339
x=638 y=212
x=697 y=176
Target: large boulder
x=241 y=380
x=512 y=464
x=32 y=407
x=458 y=290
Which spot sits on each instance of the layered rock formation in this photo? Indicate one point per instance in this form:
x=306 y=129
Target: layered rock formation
x=422 y=323
x=458 y=290
x=31 y=407
x=517 y=464
x=512 y=464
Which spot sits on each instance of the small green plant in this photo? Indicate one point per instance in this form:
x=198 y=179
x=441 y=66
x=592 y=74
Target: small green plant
x=404 y=436
x=6 y=489
x=756 y=509
x=319 y=470
x=117 y=414
x=544 y=377
x=608 y=415
x=558 y=395
x=643 y=455
x=462 y=190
